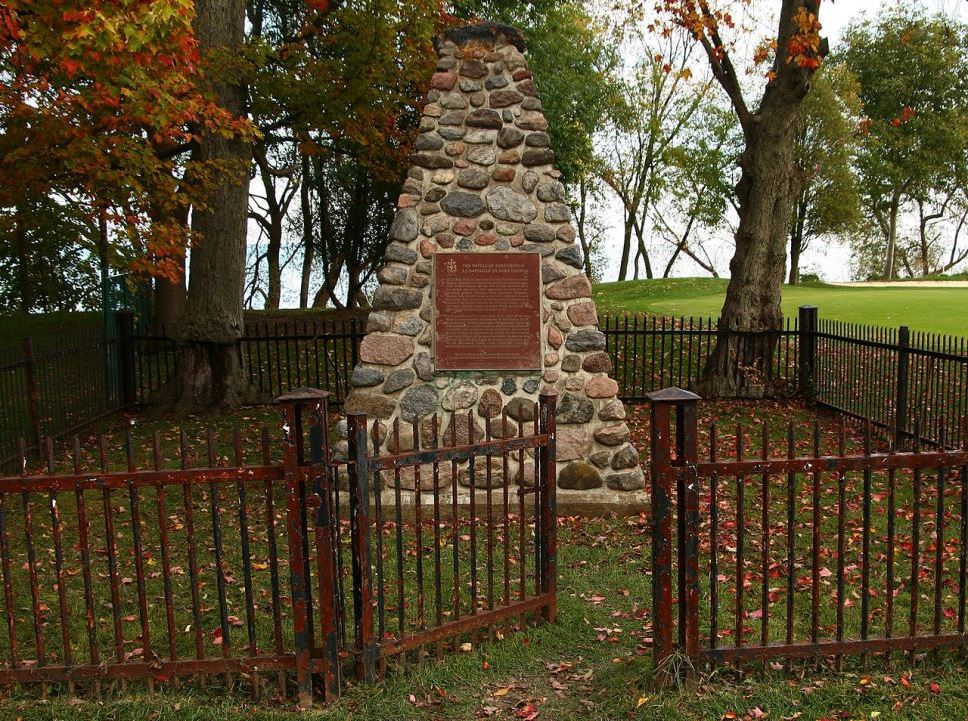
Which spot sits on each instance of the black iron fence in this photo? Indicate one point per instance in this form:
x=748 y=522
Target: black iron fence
x=894 y=377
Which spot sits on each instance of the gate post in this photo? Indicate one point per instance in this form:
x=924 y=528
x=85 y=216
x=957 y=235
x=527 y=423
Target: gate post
x=901 y=389
x=359 y=477
x=807 y=351
x=326 y=539
x=663 y=470
x=547 y=461
x=293 y=403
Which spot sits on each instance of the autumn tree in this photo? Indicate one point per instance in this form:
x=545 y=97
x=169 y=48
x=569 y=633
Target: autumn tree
x=915 y=151
x=769 y=178
x=98 y=107
x=828 y=202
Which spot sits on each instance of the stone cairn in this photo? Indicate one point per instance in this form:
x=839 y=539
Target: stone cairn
x=482 y=180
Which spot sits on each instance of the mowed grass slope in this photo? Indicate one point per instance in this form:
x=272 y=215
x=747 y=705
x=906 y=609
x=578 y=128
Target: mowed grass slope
x=929 y=309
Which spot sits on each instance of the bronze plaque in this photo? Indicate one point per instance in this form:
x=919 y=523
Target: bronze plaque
x=487 y=311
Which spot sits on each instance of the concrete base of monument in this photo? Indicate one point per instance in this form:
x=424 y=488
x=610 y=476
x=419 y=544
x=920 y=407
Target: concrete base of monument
x=570 y=503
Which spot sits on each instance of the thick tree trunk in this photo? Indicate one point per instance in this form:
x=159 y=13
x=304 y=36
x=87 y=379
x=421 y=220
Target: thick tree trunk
x=168 y=301
x=740 y=365
x=209 y=368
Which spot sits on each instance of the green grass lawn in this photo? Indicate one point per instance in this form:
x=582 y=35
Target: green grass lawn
x=595 y=663
x=933 y=310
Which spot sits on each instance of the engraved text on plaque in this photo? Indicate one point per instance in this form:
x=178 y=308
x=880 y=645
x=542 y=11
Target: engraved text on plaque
x=487 y=311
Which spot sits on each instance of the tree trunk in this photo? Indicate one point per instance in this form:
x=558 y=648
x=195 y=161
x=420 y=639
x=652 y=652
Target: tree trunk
x=21 y=244
x=168 y=298
x=890 y=264
x=210 y=370
x=309 y=248
x=796 y=238
x=740 y=366
x=580 y=223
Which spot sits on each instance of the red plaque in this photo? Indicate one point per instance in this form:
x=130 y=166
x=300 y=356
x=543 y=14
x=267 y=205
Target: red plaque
x=487 y=311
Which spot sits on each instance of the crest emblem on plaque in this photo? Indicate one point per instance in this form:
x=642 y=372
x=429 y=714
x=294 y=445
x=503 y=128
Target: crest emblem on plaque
x=450 y=266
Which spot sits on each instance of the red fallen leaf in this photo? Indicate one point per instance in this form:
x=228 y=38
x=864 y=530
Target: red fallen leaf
x=934 y=687
x=235 y=621
x=217 y=637
x=905 y=682
x=528 y=712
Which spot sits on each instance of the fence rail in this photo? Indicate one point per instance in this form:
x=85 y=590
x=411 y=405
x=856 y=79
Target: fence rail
x=894 y=377
x=262 y=572
x=815 y=552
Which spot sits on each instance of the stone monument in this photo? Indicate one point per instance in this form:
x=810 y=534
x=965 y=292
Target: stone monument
x=482 y=299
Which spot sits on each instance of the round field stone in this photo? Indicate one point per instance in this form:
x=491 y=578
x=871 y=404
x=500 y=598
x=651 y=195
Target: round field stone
x=539 y=233
x=432 y=161
x=462 y=394
x=521 y=409
x=529 y=180
x=364 y=377
x=583 y=313
x=583 y=340
x=405 y=225
x=537 y=140
x=418 y=401
x=626 y=457
x=572 y=408
x=398 y=380
x=509 y=137
x=531 y=120
x=389 y=298
x=507 y=204
x=551 y=273
x=601 y=386
x=426 y=141
x=385 y=349
x=490 y=404
x=509 y=387
x=579 y=476
x=473 y=178
x=424 y=367
x=613 y=434
x=571 y=363
x=633 y=481
x=556 y=212
x=574 y=443
x=599 y=362
x=504 y=98
x=551 y=192
x=374 y=405
x=483 y=118
x=462 y=205
x=537 y=156
x=570 y=256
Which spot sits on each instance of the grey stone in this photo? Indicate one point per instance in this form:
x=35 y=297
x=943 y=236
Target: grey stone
x=412 y=187
x=531 y=120
x=507 y=204
x=529 y=180
x=537 y=140
x=571 y=363
x=531 y=104
x=583 y=340
x=424 y=366
x=551 y=273
x=461 y=395
x=530 y=385
x=613 y=434
x=436 y=224
x=480 y=137
x=573 y=443
x=600 y=458
x=573 y=408
x=579 y=476
x=482 y=156
x=462 y=205
x=521 y=409
x=426 y=141
x=397 y=298
x=473 y=68
x=435 y=194
x=393 y=275
x=453 y=101
x=432 y=160
x=575 y=286
x=570 y=256
x=483 y=118
x=469 y=86
x=418 y=401
x=452 y=133
x=473 y=178
x=364 y=377
x=424 y=268
x=509 y=387
x=612 y=411
x=509 y=137
x=502 y=244
x=405 y=225
x=496 y=81
x=543 y=250
x=398 y=380
x=480 y=476
x=537 y=156
x=377 y=321
x=411 y=326
x=551 y=192
x=452 y=117
x=566 y=234
x=539 y=233
x=625 y=458
x=556 y=213
x=634 y=481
